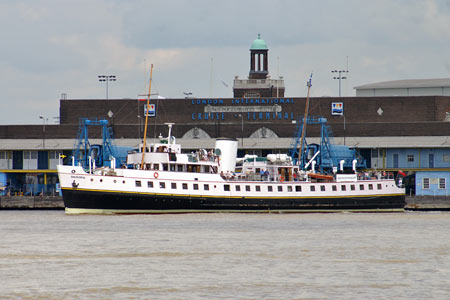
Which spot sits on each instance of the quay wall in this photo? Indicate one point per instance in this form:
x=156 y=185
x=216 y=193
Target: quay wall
x=31 y=202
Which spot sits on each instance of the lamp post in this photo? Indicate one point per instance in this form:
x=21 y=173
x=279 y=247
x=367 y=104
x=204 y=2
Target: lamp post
x=139 y=127
x=106 y=78
x=343 y=115
x=242 y=129
x=43 y=130
x=339 y=77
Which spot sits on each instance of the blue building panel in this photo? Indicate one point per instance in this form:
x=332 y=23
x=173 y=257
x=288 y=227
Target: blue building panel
x=424 y=158
x=432 y=183
x=402 y=158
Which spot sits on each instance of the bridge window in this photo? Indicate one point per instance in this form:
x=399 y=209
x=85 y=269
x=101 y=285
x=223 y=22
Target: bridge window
x=334 y=188
x=361 y=187
x=162 y=185
x=379 y=186
x=247 y=188
x=343 y=188
x=195 y=186
x=298 y=188
x=238 y=188
x=258 y=188
x=280 y=188
x=312 y=188
x=352 y=187
x=370 y=186
x=174 y=185
x=150 y=184
x=206 y=187
x=289 y=188
x=185 y=186
x=226 y=187
x=269 y=188
x=322 y=188
x=138 y=183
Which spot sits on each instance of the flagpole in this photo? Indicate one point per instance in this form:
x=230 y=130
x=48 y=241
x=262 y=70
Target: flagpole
x=144 y=146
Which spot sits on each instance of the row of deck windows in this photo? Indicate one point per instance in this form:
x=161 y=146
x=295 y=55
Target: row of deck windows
x=298 y=188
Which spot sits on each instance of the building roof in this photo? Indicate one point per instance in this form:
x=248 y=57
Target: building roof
x=406 y=83
x=259 y=44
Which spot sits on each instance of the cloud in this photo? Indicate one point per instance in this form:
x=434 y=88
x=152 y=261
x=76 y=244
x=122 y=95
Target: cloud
x=51 y=47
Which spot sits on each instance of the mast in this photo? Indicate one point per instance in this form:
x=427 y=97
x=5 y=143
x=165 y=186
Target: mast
x=144 y=146
x=305 y=116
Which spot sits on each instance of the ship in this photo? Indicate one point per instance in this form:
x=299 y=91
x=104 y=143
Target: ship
x=160 y=178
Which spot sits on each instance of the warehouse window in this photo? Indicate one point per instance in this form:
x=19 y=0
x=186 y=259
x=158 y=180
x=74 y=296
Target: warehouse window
x=442 y=184
x=374 y=153
x=410 y=157
x=52 y=154
x=426 y=183
x=34 y=155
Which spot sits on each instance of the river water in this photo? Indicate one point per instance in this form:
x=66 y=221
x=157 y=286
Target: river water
x=49 y=255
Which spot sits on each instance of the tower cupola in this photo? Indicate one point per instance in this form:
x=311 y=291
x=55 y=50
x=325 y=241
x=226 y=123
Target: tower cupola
x=259 y=60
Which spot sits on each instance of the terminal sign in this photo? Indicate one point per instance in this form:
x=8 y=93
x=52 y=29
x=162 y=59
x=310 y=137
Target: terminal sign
x=337 y=108
x=151 y=110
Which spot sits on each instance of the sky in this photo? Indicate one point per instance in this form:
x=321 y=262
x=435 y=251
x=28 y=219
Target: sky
x=54 y=47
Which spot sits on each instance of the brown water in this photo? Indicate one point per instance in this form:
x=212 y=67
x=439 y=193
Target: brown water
x=48 y=255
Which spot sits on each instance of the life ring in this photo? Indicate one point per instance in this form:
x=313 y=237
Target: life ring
x=156 y=175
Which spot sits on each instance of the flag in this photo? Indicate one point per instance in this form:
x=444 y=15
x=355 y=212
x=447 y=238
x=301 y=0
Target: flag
x=400 y=172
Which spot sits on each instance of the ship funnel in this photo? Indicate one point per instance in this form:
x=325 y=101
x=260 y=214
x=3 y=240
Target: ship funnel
x=226 y=149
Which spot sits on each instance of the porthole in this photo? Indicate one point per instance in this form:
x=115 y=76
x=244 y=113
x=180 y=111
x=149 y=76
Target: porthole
x=92 y=179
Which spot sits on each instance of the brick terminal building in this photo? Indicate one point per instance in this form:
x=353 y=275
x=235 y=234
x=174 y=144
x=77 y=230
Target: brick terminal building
x=391 y=132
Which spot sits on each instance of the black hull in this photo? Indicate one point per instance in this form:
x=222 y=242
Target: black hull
x=129 y=203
